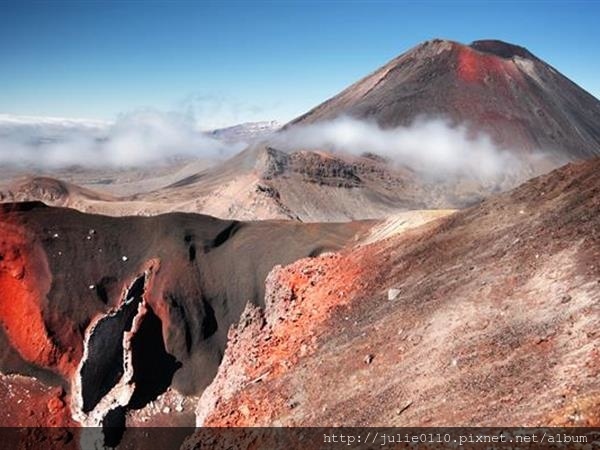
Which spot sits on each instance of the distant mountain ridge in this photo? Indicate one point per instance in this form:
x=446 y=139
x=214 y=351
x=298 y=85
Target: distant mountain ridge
x=247 y=131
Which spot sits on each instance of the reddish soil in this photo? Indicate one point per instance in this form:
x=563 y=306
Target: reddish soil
x=26 y=402
x=267 y=346
x=474 y=66
x=24 y=283
x=495 y=323
x=29 y=403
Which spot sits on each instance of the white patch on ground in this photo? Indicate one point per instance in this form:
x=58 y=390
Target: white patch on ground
x=404 y=221
x=528 y=66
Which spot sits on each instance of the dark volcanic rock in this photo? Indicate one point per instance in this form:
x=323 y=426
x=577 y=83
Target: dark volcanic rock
x=65 y=278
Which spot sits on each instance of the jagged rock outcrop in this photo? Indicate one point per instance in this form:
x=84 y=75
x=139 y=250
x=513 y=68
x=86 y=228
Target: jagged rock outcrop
x=120 y=311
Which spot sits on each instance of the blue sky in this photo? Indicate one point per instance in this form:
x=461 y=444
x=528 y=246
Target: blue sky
x=241 y=61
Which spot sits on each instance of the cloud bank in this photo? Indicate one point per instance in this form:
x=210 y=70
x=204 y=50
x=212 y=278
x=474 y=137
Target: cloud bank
x=431 y=146
x=147 y=137
x=135 y=139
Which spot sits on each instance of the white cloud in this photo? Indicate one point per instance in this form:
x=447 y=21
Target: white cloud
x=134 y=139
x=432 y=146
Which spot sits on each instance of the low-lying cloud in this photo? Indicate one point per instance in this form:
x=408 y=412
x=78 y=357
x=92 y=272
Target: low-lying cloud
x=135 y=139
x=147 y=137
x=431 y=146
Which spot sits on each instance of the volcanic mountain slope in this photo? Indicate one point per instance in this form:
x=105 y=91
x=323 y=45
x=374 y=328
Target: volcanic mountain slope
x=498 y=88
x=118 y=311
x=539 y=116
x=98 y=200
x=488 y=317
x=52 y=191
x=265 y=183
